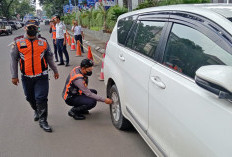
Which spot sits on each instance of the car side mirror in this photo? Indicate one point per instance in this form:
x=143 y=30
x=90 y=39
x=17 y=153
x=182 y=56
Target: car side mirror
x=216 y=79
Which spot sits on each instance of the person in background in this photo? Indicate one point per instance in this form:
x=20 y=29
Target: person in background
x=61 y=41
x=78 y=34
x=53 y=31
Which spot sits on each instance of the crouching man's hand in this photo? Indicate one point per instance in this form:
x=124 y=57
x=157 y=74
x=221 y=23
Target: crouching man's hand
x=108 y=101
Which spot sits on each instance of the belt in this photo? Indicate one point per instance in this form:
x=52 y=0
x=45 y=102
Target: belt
x=41 y=74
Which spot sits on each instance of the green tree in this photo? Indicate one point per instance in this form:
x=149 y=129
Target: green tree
x=5 y=8
x=104 y=12
x=53 y=7
x=23 y=7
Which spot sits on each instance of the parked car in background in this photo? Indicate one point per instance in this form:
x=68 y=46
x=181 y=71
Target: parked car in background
x=168 y=70
x=13 y=25
x=46 y=21
x=22 y=23
x=18 y=24
x=5 y=28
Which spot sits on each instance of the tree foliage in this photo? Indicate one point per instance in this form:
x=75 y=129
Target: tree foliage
x=10 y=8
x=53 y=7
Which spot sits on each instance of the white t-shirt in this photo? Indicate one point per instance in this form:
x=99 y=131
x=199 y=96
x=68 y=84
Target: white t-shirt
x=77 y=30
x=60 y=30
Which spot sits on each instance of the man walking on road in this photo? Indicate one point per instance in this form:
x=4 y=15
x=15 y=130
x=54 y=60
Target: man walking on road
x=53 y=31
x=34 y=55
x=61 y=41
x=77 y=94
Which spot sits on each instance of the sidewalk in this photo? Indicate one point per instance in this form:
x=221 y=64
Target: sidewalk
x=97 y=46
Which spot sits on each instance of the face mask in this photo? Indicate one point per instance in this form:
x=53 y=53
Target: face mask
x=89 y=73
x=31 y=33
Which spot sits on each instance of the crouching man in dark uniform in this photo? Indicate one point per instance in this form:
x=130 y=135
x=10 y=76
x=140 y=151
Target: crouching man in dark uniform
x=34 y=55
x=77 y=94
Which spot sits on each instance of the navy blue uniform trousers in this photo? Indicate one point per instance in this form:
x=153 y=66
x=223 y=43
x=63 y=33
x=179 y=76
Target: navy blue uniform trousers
x=82 y=102
x=36 y=89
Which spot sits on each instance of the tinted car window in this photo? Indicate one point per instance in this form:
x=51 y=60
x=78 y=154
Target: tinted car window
x=188 y=49
x=131 y=36
x=124 y=26
x=147 y=37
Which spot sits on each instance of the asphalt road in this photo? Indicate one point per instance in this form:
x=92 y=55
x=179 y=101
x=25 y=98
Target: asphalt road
x=20 y=136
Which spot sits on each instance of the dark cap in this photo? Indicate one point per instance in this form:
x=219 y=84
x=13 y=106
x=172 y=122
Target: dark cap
x=86 y=63
x=32 y=22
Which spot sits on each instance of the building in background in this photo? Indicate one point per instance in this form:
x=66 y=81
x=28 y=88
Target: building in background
x=132 y=4
x=221 y=1
x=39 y=13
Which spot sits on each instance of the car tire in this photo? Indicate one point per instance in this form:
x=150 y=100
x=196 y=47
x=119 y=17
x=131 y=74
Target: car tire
x=118 y=120
x=7 y=33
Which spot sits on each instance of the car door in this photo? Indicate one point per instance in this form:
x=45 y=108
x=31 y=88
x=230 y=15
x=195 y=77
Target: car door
x=184 y=119
x=137 y=62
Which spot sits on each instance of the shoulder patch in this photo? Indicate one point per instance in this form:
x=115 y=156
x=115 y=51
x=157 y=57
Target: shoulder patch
x=23 y=44
x=40 y=43
x=19 y=37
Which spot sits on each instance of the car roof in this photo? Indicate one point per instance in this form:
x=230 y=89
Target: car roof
x=216 y=12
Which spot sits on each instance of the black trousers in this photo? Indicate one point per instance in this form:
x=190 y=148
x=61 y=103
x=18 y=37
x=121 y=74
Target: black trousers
x=36 y=92
x=82 y=102
x=55 y=49
x=79 y=37
x=62 y=49
x=36 y=89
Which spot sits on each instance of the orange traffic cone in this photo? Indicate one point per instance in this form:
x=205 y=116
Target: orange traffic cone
x=90 y=56
x=69 y=40
x=73 y=48
x=78 y=52
x=101 y=78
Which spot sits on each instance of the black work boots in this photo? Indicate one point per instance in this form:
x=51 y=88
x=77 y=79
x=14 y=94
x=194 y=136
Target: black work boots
x=36 y=115
x=75 y=114
x=42 y=110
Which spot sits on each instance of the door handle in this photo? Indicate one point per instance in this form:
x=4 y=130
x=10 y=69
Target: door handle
x=121 y=57
x=156 y=80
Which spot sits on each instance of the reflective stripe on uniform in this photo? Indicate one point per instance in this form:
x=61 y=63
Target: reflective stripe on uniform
x=73 y=76
x=53 y=32
x=31 y=62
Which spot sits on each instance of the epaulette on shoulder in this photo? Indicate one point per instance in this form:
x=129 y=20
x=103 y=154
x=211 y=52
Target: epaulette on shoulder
x=18 y=37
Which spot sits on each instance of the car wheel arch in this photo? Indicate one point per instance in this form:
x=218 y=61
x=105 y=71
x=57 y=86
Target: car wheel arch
x=110 y=83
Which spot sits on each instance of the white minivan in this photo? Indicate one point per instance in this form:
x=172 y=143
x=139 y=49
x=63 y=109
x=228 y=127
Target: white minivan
x=169 y=72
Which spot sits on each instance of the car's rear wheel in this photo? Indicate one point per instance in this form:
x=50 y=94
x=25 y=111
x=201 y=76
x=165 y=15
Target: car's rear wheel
x=118 y=120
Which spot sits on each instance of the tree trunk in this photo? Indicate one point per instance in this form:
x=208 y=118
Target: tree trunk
x=125 y=3
x=104 y=23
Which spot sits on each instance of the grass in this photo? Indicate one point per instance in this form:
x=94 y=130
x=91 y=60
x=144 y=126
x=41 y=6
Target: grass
x=96 y=28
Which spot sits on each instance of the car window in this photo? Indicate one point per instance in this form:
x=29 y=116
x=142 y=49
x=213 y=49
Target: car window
x=2 y=25
x=147 y=37
x=124 y=26
x=131 y=36
x=188 y=49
